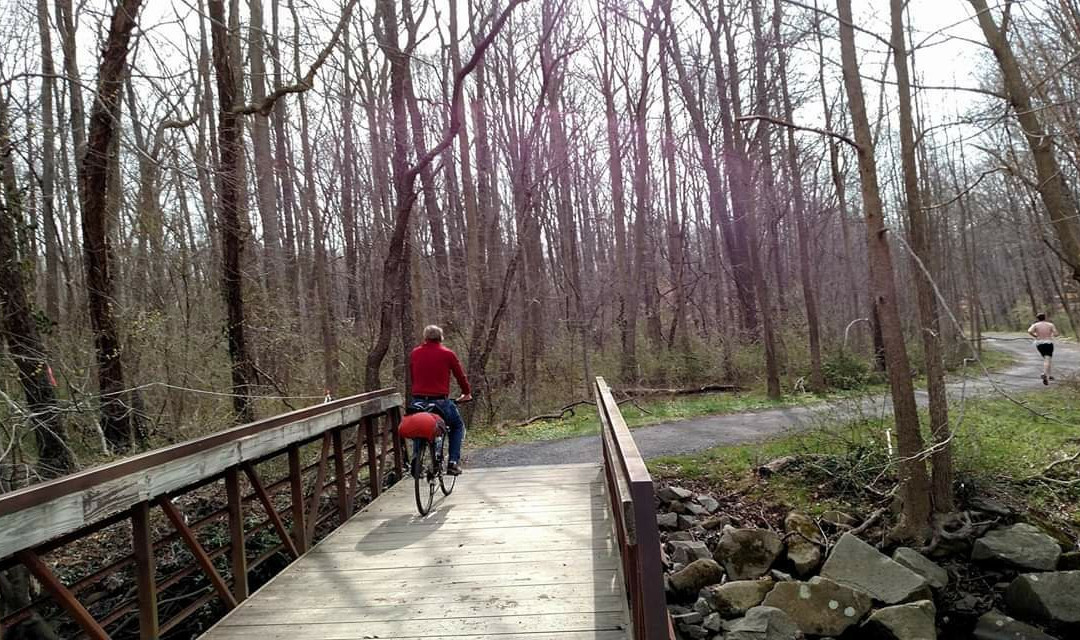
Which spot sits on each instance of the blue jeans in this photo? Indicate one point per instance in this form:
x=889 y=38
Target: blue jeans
x=454 y=423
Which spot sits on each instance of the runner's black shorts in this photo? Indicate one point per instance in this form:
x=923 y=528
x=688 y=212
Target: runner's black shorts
x=1046 y=350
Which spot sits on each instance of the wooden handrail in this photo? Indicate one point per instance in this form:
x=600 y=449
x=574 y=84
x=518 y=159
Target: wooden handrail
x=630 y=489
x=46 y=517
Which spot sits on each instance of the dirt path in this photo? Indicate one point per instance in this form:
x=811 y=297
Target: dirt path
x=697 y=434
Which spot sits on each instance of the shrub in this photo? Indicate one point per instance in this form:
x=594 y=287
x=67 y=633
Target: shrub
x=845 y=371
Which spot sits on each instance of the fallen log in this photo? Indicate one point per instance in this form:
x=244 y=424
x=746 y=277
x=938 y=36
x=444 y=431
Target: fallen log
x=681 y=391
x=566 y=412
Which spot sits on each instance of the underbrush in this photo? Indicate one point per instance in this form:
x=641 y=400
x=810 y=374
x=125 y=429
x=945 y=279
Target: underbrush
x=1002 y=449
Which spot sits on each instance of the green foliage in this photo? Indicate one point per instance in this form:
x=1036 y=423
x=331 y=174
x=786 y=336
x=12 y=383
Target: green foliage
x=845 y=371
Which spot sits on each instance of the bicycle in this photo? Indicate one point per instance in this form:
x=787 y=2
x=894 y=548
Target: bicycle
x=428 y=465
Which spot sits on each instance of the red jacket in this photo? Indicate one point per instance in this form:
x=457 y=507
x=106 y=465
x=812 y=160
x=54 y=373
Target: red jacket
x=431 y=365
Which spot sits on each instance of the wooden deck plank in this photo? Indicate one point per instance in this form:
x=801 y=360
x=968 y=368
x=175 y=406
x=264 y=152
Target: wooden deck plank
x=513 y=554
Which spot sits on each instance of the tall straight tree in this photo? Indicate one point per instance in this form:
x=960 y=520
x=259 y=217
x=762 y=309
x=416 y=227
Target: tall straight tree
x=228 y=202
x=98 y=259
x=915 y=485
x=918 y=226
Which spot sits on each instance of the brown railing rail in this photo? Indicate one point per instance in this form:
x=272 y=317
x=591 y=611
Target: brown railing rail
x=630 y=489
x=125 y=503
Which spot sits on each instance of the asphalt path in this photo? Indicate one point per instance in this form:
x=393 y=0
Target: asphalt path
x=697 y=434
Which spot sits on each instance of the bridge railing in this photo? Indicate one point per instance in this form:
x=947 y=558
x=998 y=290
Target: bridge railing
x=131 y=512
x=630 y=489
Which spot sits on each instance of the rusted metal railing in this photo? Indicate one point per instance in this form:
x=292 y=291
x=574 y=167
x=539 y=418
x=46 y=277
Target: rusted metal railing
x=630 y=489
x=323 y=447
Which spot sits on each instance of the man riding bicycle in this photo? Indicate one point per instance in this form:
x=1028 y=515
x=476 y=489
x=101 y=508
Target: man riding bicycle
x=430 y=365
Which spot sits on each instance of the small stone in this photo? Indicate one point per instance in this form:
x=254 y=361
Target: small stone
x=747 y=553
x=713 y=622
x=913 y=621
x=686 y=522
x=937 y=576
x=680 y=536
x=780 y=576
x=695 y=631
x=696 y=509
x=1050 y=597
x=776 y=466
x=687 y=552
x=763 y=623
x=674 y=494
x=691 y=617
x=703 y=607
x=697 y=575
x=860 y=566
x=667 y=521
x=989 y=505
x=820 y=607
x=1020 y=545
x=994 y=625
x=710 y=503
x=716 y=522
x=734 y=599
x=1069 y=561
x=804 y=542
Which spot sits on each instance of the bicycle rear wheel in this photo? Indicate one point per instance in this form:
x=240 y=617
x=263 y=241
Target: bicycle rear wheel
x=423 y=475
x=446 y=481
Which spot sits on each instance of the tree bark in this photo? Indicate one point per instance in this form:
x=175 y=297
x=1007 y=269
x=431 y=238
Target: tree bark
x=929 y=327
x=915 y=485
x=98 y=258
x=228 y=201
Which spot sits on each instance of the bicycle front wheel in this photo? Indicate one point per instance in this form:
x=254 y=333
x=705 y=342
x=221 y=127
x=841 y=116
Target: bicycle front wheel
x=423 y=476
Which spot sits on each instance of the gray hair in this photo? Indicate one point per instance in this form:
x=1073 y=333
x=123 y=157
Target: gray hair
x=433 y=333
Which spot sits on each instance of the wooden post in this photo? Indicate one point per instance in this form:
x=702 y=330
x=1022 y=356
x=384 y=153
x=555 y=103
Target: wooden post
x=237 y=546
x=63 y=596
x=296 y=484
x=384 y=445
x=354 y=491
x=399 y=447
x=341 y=482
x=316 y=494
x=196 y=550
x=143 y=546
x=373 y=461
x=271 y=512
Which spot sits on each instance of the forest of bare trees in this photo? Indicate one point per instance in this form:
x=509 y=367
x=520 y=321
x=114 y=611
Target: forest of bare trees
x=213 y=211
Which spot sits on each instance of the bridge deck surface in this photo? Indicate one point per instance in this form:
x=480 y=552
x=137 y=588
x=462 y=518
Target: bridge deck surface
x=523 y=553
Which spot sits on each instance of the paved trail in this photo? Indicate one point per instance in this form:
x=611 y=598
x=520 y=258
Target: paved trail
x=697 y=434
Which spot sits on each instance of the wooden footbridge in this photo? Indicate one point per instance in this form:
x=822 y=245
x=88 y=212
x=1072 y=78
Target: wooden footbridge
x=332 y=548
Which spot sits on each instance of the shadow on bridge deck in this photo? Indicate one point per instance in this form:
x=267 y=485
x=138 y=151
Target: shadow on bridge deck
x=524 y=553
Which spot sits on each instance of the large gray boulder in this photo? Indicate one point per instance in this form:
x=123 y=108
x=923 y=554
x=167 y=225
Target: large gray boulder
x=674 y=494
x=734 y=599
x=1020 y=545
x=1051 y=597
x=820 y=607
x=994 y=625
x=804 y=542
x=764 y=623
x=747 y=553
x=688 y=551
x=860 y=566
x=912 y=621
x=937 y=576
x=696 y=576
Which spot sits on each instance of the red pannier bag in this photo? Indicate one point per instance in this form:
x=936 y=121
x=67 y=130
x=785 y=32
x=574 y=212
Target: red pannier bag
x=421 y=425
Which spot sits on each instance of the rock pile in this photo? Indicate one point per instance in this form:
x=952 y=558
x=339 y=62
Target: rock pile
x=726 y=582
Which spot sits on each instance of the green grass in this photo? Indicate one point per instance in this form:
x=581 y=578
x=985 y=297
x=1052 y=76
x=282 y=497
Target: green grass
x=999 y=446
x=646 y=411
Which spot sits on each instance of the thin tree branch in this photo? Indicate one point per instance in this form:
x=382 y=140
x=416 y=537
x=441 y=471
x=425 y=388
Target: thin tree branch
x=783 y=123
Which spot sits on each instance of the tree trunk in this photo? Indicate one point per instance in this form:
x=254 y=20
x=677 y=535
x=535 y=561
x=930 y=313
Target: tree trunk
x=1052 y=186
x=265 y=189
x=915 y=485
x=20 y=331
x=229 y=178
x=929 y=327
x=94 y=170
x=48 y=167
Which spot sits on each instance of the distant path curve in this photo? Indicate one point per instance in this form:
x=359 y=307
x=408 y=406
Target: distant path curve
x=697 y=434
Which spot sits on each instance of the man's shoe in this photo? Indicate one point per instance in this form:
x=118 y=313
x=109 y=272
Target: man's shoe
x=1045 y=379
x=453 y=469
